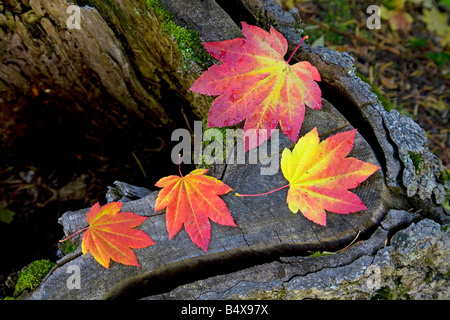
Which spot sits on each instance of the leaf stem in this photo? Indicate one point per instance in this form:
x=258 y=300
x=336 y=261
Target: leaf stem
x=260 y=194
x=305 y=37
x=179 y=165
x=81 y=230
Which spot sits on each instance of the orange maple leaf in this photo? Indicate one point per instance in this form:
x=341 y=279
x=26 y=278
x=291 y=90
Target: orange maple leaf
x=256 y=83
x=110 y=234
x=320 y=175
x=193 y=200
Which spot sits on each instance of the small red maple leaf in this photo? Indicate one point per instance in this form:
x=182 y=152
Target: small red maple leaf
x=255 y=83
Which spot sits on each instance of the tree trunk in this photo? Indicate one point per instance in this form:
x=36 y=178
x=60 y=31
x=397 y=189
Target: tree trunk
x=137 y=74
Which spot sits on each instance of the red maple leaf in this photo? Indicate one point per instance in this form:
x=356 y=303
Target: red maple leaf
x=193 y=200
x=255 y=83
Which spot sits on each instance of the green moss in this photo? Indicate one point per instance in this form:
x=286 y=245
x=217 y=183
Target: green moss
x=444 y=176
x=384 y=293
x=397 y=293
x=159 y=9
x=416 y=159
x=320 y=254
x=206 y=162
x=187 y=40
x=67 y=247
x=386 y=104
x=30 y=17
x=429 y=277
x=446 y=205
x=403 y=294
x=32 y=275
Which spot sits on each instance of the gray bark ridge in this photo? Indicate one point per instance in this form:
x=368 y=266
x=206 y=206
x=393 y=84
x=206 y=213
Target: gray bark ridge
x=371 y=269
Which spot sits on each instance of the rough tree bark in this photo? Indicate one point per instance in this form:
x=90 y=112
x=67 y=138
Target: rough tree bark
x=133 y=74
x=118 y=72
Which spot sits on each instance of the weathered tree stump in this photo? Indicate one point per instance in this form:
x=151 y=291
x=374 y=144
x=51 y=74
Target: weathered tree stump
x=266 y=229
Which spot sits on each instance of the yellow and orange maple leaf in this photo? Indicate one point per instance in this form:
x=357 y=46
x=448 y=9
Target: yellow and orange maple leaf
x=192 y=200
x=320 y=175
